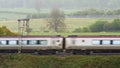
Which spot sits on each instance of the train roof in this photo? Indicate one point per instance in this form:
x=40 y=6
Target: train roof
x=33 y=36
x=94 y=36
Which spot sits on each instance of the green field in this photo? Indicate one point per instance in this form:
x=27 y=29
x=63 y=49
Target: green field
x=81 y=33
x=36 y=24
x=72 y=24
x=77 y=61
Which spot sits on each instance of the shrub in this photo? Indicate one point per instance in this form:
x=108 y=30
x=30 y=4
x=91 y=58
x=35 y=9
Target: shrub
x=30 y=61
x=77 y=30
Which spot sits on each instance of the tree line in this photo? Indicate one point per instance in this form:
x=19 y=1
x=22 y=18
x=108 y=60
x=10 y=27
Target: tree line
x=85 y=14
x=101 y=26
x=88 y=13
x=96 y=13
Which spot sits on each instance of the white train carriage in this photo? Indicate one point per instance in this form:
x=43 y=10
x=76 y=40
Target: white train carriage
x=93 y=43
x=30 y=42
x=41 y=42
x=9 y=42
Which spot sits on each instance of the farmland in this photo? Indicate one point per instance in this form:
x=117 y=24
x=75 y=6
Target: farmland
x=72 y=24
x=36 y=24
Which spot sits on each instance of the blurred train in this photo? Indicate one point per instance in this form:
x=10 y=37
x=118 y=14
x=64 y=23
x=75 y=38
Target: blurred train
x=56 y=44
x=93 y=44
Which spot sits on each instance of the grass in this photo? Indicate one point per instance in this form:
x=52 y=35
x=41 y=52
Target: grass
x=69 y=33
x=78 y=61
x=10 y=20
x=72 y=24
x=36 y=24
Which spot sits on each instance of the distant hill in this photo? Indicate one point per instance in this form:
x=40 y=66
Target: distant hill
x=65 y=4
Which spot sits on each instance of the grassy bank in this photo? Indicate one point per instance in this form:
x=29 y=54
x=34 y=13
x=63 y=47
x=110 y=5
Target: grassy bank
x=70 y=33
x=30 y=61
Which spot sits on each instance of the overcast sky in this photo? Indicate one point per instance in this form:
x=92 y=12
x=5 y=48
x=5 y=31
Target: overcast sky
x=67 y=4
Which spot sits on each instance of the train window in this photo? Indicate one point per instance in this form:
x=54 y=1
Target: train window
x=3 y=42
x=32 y=42
x=24 y=42
x=96 y=42
x=43 y=42
x=106 y=42
x=12 y=42
x=116 y=42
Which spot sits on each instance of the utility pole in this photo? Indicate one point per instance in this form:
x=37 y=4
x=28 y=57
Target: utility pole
x=23 y=26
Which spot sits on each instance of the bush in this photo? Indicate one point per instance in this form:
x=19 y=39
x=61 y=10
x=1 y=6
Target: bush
x=4 y=31
x=77 y=30
x=98 y=26
x=85 y=29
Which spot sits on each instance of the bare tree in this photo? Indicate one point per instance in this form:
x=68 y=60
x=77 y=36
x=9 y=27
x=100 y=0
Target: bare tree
x=55 y=20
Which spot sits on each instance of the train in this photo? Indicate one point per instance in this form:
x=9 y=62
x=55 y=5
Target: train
x=55 y=44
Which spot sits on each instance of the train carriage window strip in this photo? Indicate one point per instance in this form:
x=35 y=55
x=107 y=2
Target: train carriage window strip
x=116 y=42
x=3 y=42
x=43 y=42
x=12 y=42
